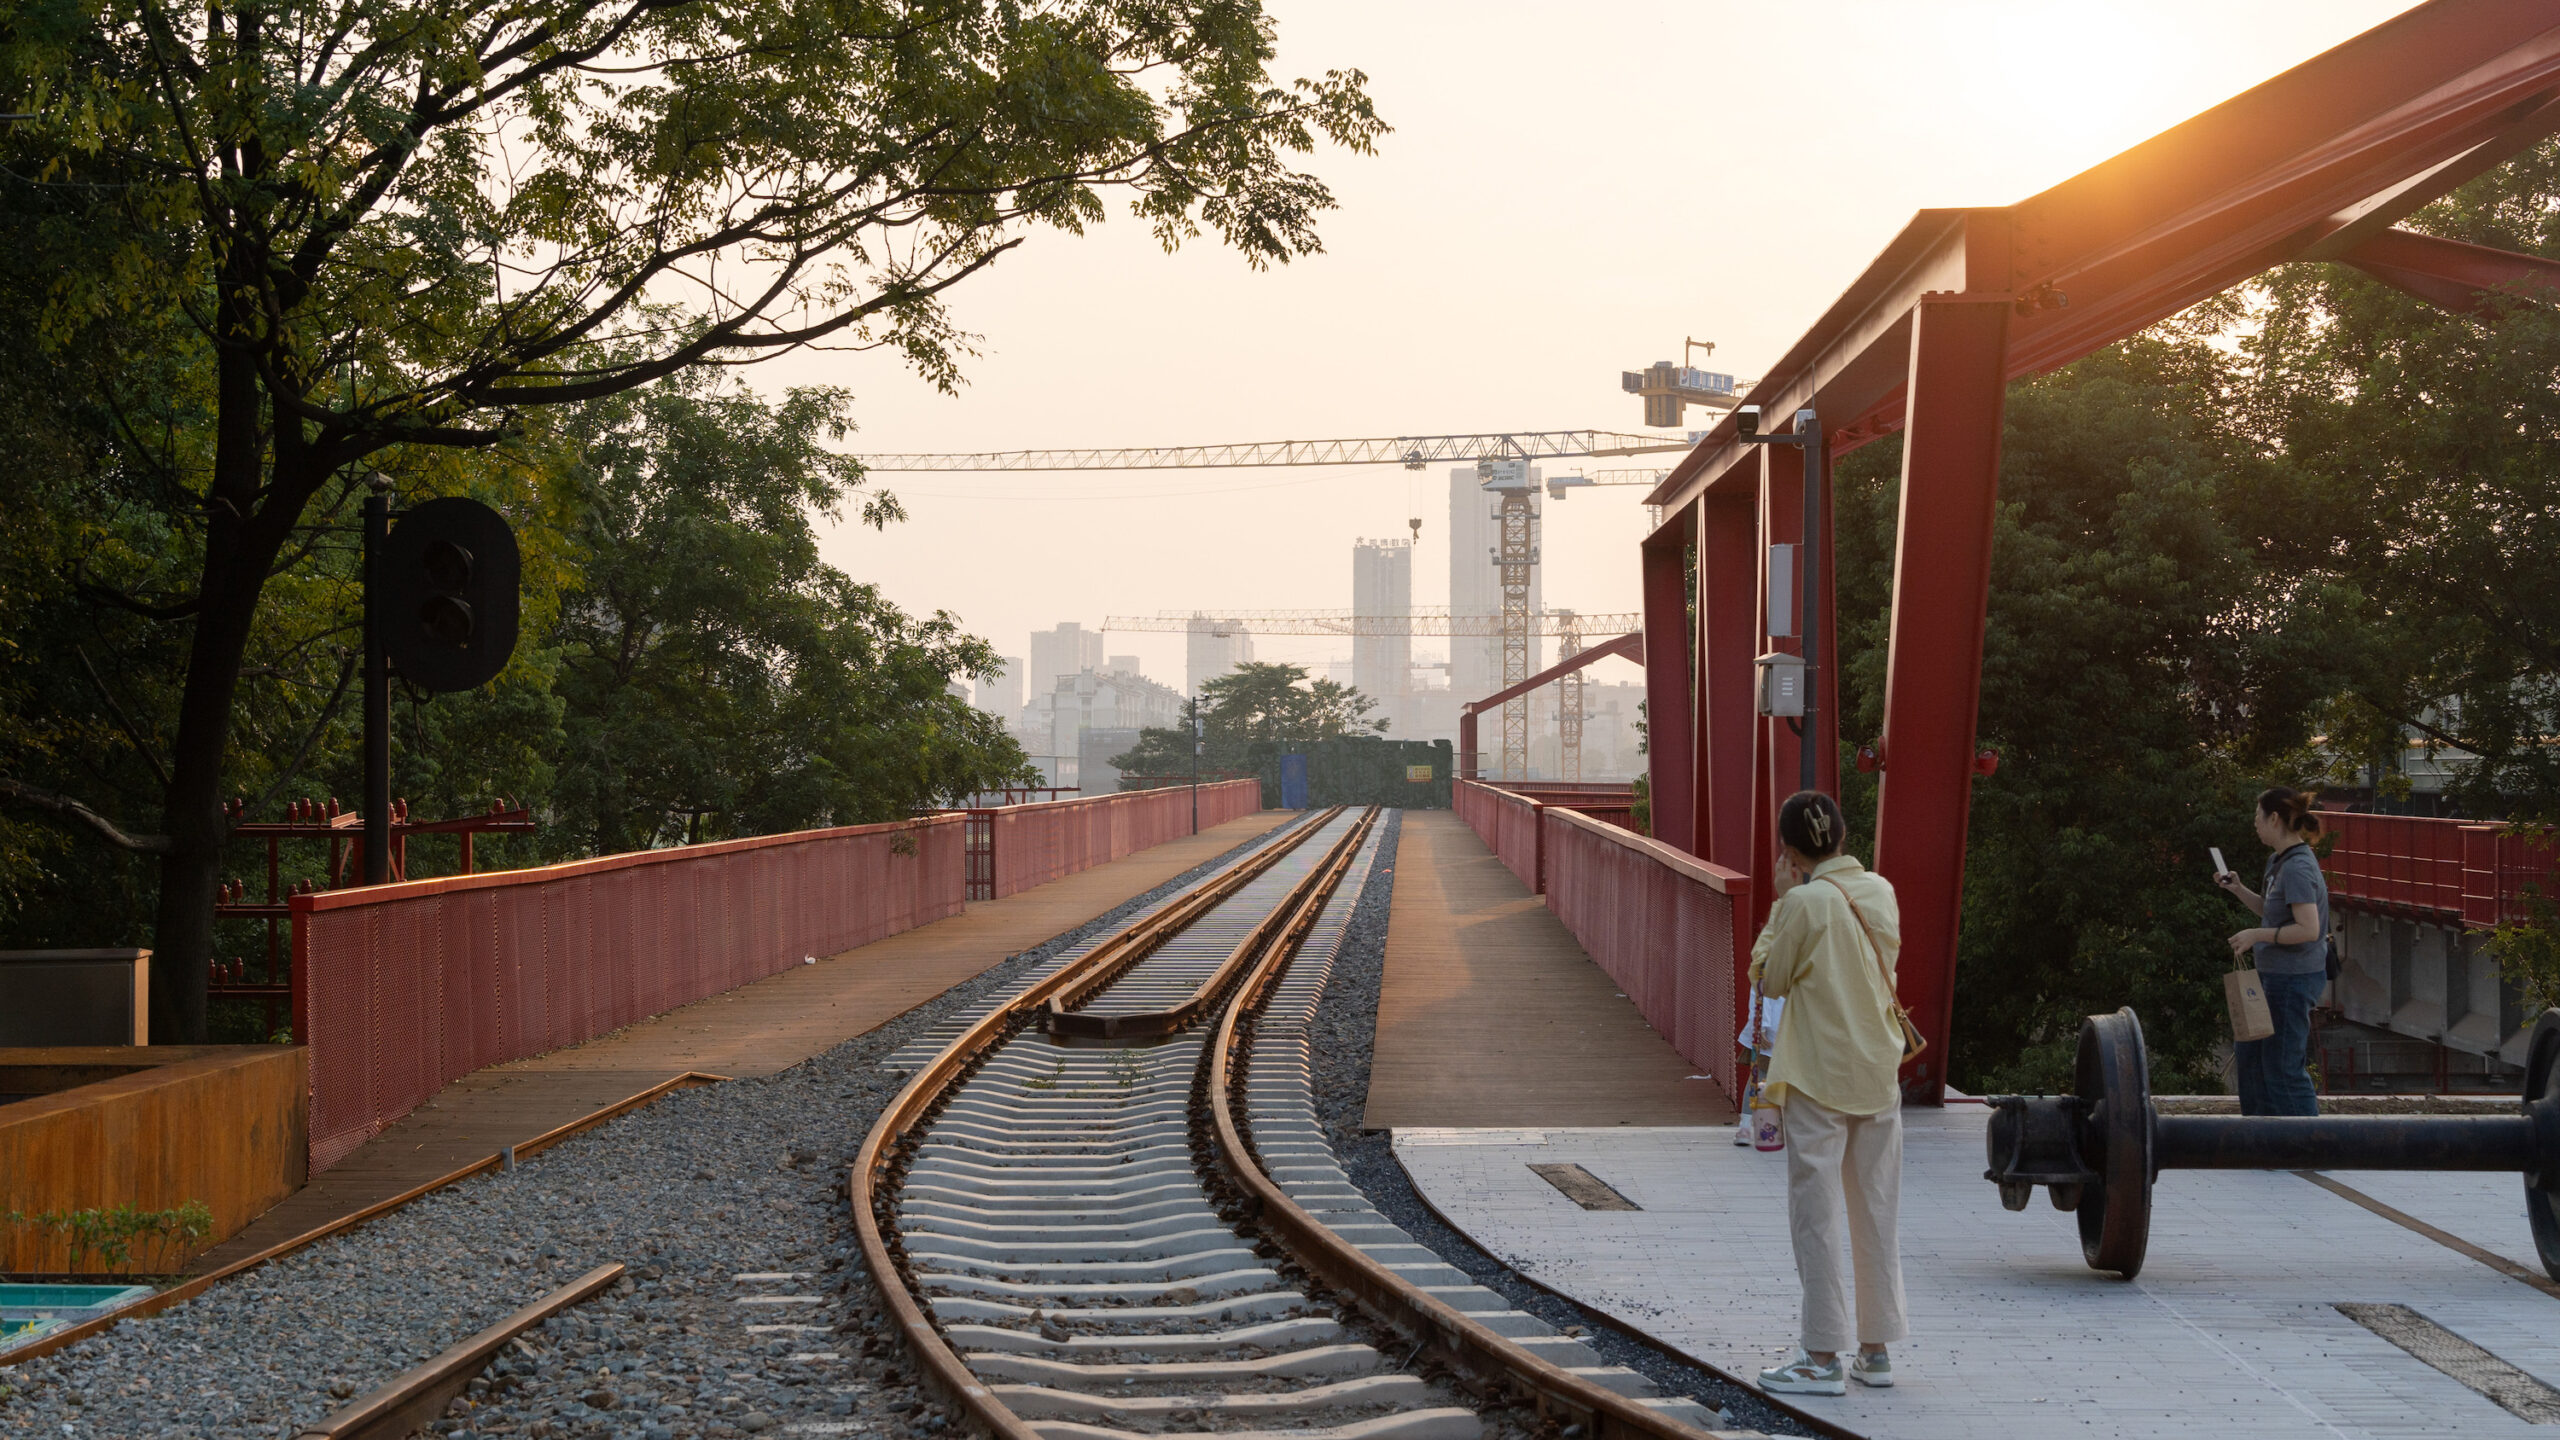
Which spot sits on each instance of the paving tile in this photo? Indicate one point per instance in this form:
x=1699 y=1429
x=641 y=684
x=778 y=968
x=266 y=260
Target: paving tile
x=2231 y=1329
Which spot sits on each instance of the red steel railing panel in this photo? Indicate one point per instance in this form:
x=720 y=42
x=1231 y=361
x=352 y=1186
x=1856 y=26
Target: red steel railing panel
x=401 y=989
x=2472 y=873
x=1661 y=924
x=1029 y=845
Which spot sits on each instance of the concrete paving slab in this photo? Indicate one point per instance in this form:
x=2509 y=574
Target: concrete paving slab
x=2232 y=1329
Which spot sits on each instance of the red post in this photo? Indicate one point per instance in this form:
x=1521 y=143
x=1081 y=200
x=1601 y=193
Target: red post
x=1728 y=639
x=1933 y=667
x=1670 y=746
x=1467 y=758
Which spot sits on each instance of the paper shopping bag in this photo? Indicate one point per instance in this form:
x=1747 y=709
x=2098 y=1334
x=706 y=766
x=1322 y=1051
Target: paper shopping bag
x=2247 y=998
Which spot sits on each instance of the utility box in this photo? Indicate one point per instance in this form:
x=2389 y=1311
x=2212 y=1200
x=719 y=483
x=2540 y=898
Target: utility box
x=1781 y=685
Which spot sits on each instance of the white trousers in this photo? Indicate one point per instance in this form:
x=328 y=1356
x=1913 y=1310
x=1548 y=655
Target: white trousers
x=1835 y=1159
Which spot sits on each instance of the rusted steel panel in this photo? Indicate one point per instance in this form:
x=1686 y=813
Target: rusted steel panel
x=154 y=1127
x=1034 y=844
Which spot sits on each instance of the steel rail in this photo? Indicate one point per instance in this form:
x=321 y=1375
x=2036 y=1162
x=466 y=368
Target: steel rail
x=1097 y=970
x=1468 y=1347
x=941 y=1367
x=1155 y=1024
x=416 y=1398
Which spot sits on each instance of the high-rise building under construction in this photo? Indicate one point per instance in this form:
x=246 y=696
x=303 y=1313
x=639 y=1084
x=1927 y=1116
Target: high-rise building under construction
x=1475 y=581
x=1382 y=665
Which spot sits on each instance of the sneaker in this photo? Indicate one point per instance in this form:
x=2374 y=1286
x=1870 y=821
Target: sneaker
x=1876 y=1369
x=1802 y=1376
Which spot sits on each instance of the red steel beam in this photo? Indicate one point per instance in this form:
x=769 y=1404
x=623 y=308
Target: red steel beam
x=1670 y=736
x=2469 y=279
x=1629 y=645
x=1933 y=668
x=2345 y=142
x=1729 y=637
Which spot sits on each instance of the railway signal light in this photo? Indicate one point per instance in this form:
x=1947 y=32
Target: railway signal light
x=449 y=603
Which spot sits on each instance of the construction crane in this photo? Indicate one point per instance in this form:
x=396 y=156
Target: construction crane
x=1502 y=463
x=1413 y=452
x=1432 y=620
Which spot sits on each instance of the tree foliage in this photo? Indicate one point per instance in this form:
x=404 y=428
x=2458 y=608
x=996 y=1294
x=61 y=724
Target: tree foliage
x=339 y=234
x=1248 y=711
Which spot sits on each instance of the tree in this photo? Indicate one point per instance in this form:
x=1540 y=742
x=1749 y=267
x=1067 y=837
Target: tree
x=1258 y=703
x=718 y=679
x=398 y=227
x=2144 y=671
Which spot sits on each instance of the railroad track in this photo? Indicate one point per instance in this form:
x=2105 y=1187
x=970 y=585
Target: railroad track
x=1104 y=1206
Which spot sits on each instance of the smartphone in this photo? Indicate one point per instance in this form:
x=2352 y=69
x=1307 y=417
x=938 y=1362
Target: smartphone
x=2219 y=869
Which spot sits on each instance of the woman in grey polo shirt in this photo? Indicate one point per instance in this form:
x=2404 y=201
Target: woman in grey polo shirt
x=2292 y=944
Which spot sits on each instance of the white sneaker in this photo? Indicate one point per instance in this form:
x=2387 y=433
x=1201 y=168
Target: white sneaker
x=1803 y=1376
x=1876 y=1369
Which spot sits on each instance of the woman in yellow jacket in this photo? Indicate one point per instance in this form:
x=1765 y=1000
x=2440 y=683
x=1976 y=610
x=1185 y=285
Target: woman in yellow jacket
x=1829 y=949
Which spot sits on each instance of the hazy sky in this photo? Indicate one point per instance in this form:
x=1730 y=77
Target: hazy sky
x=1570 y=190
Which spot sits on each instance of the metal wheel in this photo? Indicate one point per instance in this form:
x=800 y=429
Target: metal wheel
x=2542 y=1102
x=2114 y=1077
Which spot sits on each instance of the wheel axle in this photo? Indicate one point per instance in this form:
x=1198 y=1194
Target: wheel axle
x=2097 y=1150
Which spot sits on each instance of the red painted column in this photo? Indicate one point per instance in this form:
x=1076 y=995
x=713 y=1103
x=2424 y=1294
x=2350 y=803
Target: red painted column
x=1933 y=682
x=1669 y=743
x=1827 y=656
x=1728 y=638
x=1774 y=750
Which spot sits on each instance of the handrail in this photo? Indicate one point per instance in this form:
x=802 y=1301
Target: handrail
x=1706 y=872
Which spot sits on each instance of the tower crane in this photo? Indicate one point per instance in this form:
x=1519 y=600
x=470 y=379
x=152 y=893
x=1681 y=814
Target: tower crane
x=1502 y=463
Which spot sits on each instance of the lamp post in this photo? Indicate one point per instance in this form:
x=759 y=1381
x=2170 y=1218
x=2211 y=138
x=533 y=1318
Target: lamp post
x=1197 y=745
x=1807 y=438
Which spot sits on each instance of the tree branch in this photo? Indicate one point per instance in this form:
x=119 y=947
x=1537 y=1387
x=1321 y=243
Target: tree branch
x=65 y=806
x=123 y=721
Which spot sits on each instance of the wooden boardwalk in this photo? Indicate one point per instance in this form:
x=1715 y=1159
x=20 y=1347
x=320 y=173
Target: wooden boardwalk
x=1491 y=1015
x=757 y=1029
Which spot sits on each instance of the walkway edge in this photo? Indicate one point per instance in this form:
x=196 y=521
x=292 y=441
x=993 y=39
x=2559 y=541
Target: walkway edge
x=1815 y=1423
x=416 y=1398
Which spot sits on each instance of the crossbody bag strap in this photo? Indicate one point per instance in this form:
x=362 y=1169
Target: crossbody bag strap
x=1869 y=931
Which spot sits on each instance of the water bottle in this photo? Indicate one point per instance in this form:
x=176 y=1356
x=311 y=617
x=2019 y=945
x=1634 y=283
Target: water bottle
x=1768 y=1127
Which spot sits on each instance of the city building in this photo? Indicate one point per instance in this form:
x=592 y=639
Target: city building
x=1001 y=694
x=1382 y=665
x=1212 y=647
x=1063 y=650
x=1104 y=700
x=1125 y=664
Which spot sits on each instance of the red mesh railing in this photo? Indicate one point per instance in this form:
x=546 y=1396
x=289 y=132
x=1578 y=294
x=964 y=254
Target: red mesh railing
x=1029 y=845
x=1505 y=817
x=2473 y=872
x=1661 y=924
x=402 y=989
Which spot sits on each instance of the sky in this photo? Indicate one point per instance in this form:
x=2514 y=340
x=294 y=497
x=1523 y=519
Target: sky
x=1570 y=191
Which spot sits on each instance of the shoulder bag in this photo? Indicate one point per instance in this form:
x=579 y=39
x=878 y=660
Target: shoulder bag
x=1913 y=1042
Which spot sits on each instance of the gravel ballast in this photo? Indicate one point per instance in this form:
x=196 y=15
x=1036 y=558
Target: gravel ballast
x=742 y=1179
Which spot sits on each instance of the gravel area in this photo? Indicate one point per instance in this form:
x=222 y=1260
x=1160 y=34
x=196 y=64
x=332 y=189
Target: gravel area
x=1345 y=1031
x=727 y=1203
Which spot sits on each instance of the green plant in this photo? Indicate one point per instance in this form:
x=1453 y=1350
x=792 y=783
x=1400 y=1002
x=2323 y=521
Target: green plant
x=116 y=1237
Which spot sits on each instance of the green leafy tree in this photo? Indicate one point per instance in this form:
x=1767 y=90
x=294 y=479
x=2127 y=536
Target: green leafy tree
x=718 y=678
x=390 y=229
x=2143 y=667
x=1248 y=711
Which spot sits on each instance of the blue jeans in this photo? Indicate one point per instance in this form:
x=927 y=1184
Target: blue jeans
x=2274 y=1074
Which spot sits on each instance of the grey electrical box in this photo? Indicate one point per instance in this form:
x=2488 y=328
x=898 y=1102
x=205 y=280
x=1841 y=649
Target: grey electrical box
x=1781 y=685
x=1782 y=589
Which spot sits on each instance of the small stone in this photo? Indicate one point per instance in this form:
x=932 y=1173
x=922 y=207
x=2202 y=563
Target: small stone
x=340 y=1389
x=601 y=1399
x=755 y=1422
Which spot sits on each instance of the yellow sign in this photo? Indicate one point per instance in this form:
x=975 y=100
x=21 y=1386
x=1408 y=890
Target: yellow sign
x=1418 y=774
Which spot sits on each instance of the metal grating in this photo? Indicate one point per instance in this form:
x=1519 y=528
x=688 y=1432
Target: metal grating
x=2482 y=1373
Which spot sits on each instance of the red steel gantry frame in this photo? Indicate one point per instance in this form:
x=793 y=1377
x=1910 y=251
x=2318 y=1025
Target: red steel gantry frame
x=2316 y=164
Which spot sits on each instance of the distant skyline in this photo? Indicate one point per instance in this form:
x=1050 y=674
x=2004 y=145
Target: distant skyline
x=1569 y=193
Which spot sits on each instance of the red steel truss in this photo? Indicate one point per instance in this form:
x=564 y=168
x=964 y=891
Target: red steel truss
x=2316 y=164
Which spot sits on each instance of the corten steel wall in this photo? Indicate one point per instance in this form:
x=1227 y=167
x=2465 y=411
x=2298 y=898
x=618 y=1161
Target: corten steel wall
x=401 y=989
x=2466 y=871
x=1660 y=923
x=1505 y=818
x=1035 y=844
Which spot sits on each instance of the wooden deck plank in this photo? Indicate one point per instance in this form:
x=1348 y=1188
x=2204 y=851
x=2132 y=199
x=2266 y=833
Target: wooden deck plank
x=1489 y=1013
x=756 y=1029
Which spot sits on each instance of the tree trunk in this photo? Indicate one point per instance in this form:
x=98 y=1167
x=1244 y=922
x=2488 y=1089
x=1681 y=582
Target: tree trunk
x=241 y=545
